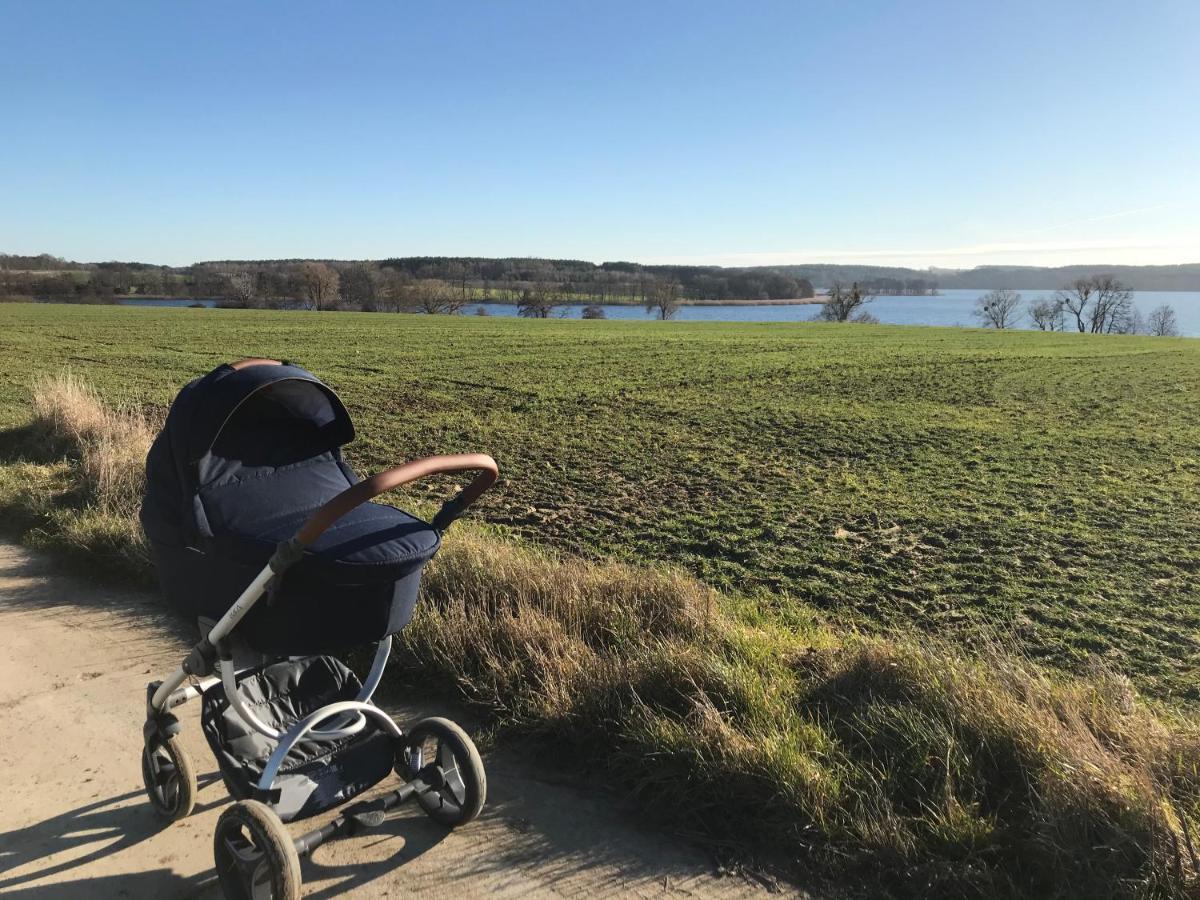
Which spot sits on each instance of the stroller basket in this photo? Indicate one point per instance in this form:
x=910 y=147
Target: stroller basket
x=317 y=773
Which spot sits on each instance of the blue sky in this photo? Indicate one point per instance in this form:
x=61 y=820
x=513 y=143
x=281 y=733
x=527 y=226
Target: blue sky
x=741 y=133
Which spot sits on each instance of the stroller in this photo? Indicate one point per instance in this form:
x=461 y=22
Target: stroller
x=261 y=531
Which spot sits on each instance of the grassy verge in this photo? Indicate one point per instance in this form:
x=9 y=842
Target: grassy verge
x=900 y=763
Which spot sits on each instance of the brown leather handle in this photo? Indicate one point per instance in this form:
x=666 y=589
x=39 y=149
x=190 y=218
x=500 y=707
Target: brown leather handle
x=249 y=361
x=382 y=482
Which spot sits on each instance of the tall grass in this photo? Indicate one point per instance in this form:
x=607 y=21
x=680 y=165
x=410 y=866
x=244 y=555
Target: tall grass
x=111 y=443
x=94 y=512
x=899 y=762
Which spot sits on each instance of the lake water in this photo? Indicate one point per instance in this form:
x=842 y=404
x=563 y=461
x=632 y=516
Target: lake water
x=166 y=301
x=954 y=307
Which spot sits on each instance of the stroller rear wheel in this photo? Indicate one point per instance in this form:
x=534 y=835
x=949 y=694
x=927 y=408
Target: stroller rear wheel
x=169 y=778
x=256 y=858
x=441 y=755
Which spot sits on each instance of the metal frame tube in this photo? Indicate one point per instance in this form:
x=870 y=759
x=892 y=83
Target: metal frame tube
x=382 y=652
x=233 y=615
x=357 y=723
x=305 y=725
x=353 y=725
x=229 y=681
x=167 y=688
x=242 y=605
x=347 y=823
x=190 y=692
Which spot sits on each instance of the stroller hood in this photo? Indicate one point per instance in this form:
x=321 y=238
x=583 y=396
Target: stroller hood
x=195 y=423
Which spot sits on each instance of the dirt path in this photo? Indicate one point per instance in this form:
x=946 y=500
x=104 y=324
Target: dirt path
x=74 y=661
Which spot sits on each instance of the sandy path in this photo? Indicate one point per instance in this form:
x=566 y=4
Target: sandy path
x=74 y=661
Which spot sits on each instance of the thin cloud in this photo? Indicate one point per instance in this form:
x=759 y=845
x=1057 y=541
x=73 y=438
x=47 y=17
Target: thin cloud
x=1114 y=215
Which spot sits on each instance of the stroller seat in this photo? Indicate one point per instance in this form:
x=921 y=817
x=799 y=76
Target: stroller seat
x=248 y=515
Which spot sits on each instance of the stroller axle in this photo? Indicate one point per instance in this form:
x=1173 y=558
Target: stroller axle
x=351 y=820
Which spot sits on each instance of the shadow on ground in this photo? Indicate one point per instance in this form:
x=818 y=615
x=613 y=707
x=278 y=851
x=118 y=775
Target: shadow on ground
x=37 y=582
x=88 y=833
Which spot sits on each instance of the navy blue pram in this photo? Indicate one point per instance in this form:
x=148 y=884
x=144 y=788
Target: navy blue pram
x=248 y=496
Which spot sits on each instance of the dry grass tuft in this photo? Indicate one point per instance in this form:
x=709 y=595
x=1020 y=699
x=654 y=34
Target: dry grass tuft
x=107 y=446
x=111 y=443
x=893 y=760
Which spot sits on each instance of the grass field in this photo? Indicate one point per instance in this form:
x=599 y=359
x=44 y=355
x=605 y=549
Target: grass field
x=1042 y=487
x=874 y=504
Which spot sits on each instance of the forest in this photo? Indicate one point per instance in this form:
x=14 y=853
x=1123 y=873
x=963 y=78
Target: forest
x=538 y=286
x=431 y=284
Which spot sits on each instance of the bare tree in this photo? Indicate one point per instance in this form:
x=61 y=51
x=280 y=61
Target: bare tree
x=1075 y=300
x=593 y=312
x=1112 y=308
x=397 y=291
x=998 y=309
x=1047 y=314
x=537 y=302
x=1101 y=304
x=1129 y=322
x=458 y=274
x=433 y=296
x=360 y=284
x=842 y=303
x=663 y=299
x=320 y=285
x=240 y=289
x=454 y=300
x=1161 y=322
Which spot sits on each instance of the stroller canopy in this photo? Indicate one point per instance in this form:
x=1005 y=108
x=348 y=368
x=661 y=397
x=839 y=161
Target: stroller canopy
x=247 y=454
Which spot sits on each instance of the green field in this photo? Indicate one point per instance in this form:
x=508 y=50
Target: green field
x=857 y=493
x=1043 y=488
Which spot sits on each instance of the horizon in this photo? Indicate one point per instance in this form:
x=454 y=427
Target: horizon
x=596 y=262
x=667 y=134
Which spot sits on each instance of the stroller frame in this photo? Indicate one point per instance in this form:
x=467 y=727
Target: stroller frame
x=211 y=661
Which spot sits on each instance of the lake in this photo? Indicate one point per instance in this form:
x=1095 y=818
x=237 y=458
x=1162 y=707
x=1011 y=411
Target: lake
x=952 y=307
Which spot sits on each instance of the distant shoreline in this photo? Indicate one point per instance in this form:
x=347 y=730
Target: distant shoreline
x=802 y=301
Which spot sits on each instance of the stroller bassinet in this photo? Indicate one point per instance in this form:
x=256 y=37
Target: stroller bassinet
x=247 y=495
x=245 y=458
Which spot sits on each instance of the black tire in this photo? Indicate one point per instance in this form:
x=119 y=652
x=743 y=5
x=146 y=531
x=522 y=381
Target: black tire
x=254 y=854
x=444 y=757
x=169 y=778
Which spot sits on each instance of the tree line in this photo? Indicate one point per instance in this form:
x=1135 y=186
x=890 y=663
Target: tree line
x=885 y=279
x=442 y=284
x=1099 y=304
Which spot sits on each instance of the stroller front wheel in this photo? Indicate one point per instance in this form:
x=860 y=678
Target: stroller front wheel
x=169 y=778
x=442 y=756
x=255 y=856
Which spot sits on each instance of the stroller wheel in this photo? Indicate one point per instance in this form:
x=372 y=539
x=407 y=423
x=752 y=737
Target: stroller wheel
x=169 y=778
x=255 y=856
x=442 y=756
